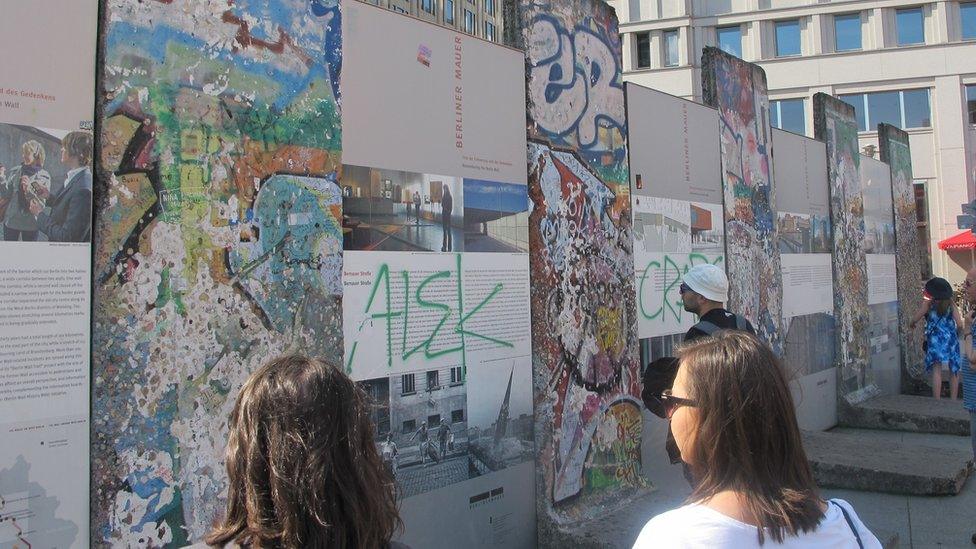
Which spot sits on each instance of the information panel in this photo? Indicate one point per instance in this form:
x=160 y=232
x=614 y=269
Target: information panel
x=436 y=273
x=46 y=110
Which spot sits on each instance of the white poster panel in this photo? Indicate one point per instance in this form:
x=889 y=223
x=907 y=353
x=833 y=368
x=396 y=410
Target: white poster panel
x=676 y=196
x=46 y=94
x=803 y=223
x=442 y=109
x=879 y=247
x=436 y=308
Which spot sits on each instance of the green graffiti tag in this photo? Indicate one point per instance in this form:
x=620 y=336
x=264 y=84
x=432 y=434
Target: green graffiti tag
x=674 y=267
x=379 y=307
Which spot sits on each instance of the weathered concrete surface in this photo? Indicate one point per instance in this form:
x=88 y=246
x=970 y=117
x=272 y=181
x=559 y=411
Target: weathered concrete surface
x=910 y=413
x=864 y=462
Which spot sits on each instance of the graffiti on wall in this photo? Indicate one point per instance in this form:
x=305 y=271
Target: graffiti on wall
x=218 y=241
x=586 y=374
x=834 y=123
x=738 y=90
x=895 y=151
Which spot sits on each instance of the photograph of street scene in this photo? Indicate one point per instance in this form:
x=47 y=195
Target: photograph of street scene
x=423 y=432
x=803 y=233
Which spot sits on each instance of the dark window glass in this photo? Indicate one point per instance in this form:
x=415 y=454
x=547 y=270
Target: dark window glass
x=409 y=426
x=847 y=32
x=730 y=39
x=489 y=31
x=788 y=115
x=449 y=11
x=967 y=17
x=643 y=50
x=490 y=7
x=433 y=380
x=457 y=416
x=427 y=6
x=407 y=381
x=787 y=38
x=433 y=420
x=911 y=26
x=883 y=107
x=671 y=48
x=856 y=100
x=971 y=102
x=468 y=22
x=917 y=113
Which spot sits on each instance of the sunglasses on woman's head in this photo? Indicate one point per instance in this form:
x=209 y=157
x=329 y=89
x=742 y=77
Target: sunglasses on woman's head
x=671 y=403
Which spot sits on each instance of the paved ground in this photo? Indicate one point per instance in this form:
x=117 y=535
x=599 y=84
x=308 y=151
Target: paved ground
x=920 y=522
x=417 y=479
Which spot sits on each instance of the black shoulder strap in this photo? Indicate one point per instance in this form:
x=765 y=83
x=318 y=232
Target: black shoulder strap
x=850 y=523
x=706 y=327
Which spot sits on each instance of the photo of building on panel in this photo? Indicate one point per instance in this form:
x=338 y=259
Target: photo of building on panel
x=496 y=216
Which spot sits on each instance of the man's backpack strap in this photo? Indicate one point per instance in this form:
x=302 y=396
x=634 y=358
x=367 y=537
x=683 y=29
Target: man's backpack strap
x=740 y=323
x=709 y=328
x=706 y=327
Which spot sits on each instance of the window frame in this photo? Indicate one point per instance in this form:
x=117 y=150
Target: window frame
x=718 y=38
x=969 y=5
x=665 y=50
x=469 y=29
x=435 y=376
x=860 y=30
x=455 y=413
x=639 y=38
x=970 y=95
x=898 y=28
x=490 y=7
x=870 y=126
x=431 y=4
x=449 y=13
x=412 y=383
x=799 y=37
x=778 y=113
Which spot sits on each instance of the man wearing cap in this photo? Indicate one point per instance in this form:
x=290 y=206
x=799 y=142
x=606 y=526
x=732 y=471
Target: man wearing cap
x=704 y=291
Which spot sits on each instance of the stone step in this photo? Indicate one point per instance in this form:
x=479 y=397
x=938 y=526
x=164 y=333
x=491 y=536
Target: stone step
x=859 y=461
x=919 y=414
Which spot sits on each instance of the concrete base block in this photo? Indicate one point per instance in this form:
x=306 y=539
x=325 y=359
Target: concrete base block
x=863 y=463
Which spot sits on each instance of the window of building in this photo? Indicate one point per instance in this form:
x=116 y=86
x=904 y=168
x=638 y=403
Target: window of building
x=967 y=19
x=410 y=426
x=904 y=109
x=671 y=48
x=449 y=12
x=643 y=50
x=788 y=38
x=490 y=7
x=427 y=6
x=433 y=380
x=847 y=32
x=915 y=109
x=884 y=107
x=911 y=26
x=789 y=115
x=971 y=102
x=407 y=384
x=433 y=420
x=456 y=375
x=730 y=39
x=457 y=416
x=922 y=222
x=468 y=21
x=489 y=31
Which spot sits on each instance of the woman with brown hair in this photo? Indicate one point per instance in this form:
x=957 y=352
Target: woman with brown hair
x=733 y=420
x=302 y=464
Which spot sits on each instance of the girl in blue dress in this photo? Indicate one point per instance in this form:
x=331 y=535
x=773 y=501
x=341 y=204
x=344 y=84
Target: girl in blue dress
x=943 y=326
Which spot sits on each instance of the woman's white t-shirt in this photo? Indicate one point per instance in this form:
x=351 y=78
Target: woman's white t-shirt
x=695 y=525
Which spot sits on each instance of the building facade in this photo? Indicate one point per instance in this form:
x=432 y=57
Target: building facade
x=482 y=18
x=908 y=63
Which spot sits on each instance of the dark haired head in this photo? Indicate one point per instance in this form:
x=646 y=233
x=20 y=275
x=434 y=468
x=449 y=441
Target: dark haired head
x=302 y=464
x=744 y=436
